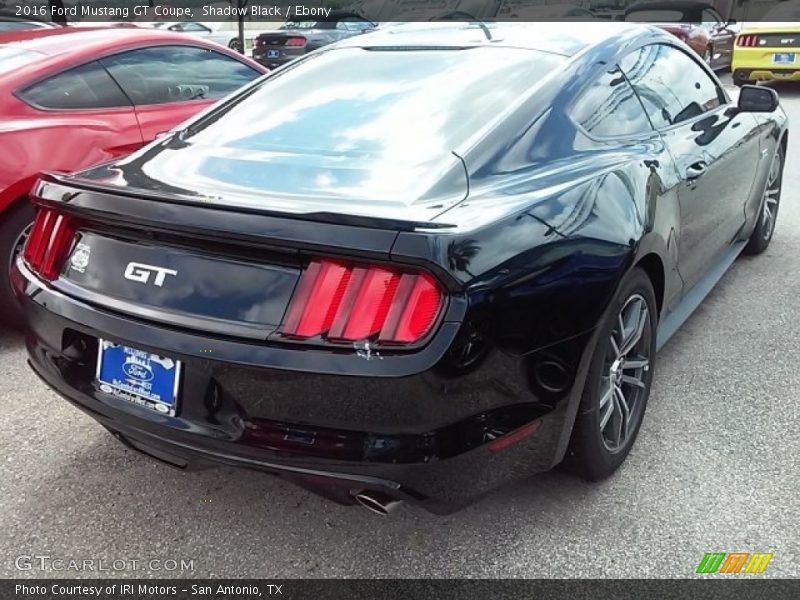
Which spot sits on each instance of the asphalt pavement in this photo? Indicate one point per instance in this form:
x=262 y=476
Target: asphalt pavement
x=715 y=469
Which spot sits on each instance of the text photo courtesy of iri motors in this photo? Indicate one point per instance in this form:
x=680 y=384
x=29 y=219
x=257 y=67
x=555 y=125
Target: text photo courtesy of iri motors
x=518 y=276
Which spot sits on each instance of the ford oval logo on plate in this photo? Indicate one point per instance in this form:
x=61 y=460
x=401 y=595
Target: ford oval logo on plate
x=137 y=368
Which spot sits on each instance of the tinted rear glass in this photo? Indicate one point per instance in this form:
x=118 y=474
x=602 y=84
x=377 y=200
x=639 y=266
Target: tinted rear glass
x=88 y=86
x=405 y=103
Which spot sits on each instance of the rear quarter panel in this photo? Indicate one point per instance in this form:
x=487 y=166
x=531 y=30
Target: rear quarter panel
x=48 y=141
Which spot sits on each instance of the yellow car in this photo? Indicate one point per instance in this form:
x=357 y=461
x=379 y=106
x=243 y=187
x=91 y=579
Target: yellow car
x=767 y=53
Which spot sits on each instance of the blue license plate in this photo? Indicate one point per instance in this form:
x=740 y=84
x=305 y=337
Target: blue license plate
x=140 y=377
x=787 y=58
x=273 y=53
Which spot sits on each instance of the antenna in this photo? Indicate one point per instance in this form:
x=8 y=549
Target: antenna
x=460 y=15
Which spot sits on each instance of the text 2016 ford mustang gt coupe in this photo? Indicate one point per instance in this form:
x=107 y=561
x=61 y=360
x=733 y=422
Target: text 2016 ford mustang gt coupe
x=444 y=265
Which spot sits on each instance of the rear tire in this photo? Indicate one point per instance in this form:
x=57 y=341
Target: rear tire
x=708 y=56
x=618 y=383
x=235 y=45
x=15 y=222
x=770 y=202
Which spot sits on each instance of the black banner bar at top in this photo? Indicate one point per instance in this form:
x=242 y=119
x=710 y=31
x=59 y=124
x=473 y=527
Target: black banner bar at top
x=383 y=11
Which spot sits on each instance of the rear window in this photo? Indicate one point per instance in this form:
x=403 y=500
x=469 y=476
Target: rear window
x=88 y=86
x=411 y=104
x=657 y=16
x=12 y=59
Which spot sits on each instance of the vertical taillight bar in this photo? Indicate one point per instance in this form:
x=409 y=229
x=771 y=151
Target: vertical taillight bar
x=344 y=303
x=49 y=243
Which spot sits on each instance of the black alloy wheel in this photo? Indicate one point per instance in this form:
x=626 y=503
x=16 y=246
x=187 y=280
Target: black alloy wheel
x=770 y=202
x=618 y=383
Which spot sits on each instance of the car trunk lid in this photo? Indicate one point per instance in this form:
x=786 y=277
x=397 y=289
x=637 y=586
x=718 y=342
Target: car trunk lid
x=191 y=266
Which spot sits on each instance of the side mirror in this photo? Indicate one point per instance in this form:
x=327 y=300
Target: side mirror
x=757 y=99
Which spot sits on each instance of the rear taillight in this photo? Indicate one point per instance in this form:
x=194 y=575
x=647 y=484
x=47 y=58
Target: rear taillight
x=296 y=41
x=49 y=243
x=747 y=41
x=681 y=35
x=340 y=302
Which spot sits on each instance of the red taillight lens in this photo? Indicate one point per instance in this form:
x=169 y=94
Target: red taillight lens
x=49 y=243
x=296 y=41
x=748 y=41
x=348 y=303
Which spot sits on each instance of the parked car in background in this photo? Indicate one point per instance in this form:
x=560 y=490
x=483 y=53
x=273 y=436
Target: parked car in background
x=697 y=24
x=548 y=12
x=300 y=36
x=419 y=265
x=11 y=24
x=74 y=97
x=488 y=10
x=221 y=32
x=768 y=51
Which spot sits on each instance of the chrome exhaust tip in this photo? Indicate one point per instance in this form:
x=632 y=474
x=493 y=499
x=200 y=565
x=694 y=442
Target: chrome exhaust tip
x=378 y=503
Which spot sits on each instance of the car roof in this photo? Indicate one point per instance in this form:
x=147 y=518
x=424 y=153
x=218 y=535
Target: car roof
x=86 y=40
x=565 y=38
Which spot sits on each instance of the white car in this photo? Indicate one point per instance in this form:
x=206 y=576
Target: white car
x=224 y=32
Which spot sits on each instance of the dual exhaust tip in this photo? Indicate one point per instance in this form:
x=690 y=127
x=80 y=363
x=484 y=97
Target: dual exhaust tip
x=377 y=503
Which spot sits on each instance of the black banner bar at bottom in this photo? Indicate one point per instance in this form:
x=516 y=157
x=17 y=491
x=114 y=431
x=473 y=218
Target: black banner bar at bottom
x=739 y=588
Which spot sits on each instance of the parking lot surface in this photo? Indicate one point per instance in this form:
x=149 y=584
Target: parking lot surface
x=714 y=469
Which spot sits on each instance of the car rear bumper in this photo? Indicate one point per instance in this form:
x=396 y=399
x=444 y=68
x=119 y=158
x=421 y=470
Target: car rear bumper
x=260 y=56
x=433 y=438
x=765 y=74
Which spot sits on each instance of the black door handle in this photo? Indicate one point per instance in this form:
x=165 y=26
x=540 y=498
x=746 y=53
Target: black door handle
x=696 y=170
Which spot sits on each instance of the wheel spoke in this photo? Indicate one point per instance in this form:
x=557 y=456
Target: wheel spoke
x=614 y=345
x=638 y=362
x=637 y=318
x=625 y=414
x=767 y=217
x=617 y=432
x=607 y=393
x=608 y=411
x=634 y=381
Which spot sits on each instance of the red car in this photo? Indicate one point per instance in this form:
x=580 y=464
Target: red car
x=74 y=97
x=698 y=24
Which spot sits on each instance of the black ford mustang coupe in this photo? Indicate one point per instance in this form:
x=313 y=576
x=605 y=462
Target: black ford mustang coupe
x=444 y=265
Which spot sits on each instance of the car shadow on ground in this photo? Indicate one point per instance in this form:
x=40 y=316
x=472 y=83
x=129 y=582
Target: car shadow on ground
x=76 y=473
x=786 y=89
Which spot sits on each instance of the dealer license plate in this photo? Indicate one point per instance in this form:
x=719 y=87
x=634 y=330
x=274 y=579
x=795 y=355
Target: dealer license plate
x=138 y=376
x=785 y=58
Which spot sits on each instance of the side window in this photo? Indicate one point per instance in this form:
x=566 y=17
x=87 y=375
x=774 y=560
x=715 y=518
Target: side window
x=164 y=74
x=711 y=18
x=195 y=28
x=672 y=86
x=610 y=108
x=87 y=86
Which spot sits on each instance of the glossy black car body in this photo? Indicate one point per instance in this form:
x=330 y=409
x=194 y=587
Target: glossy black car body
x=528 y=219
